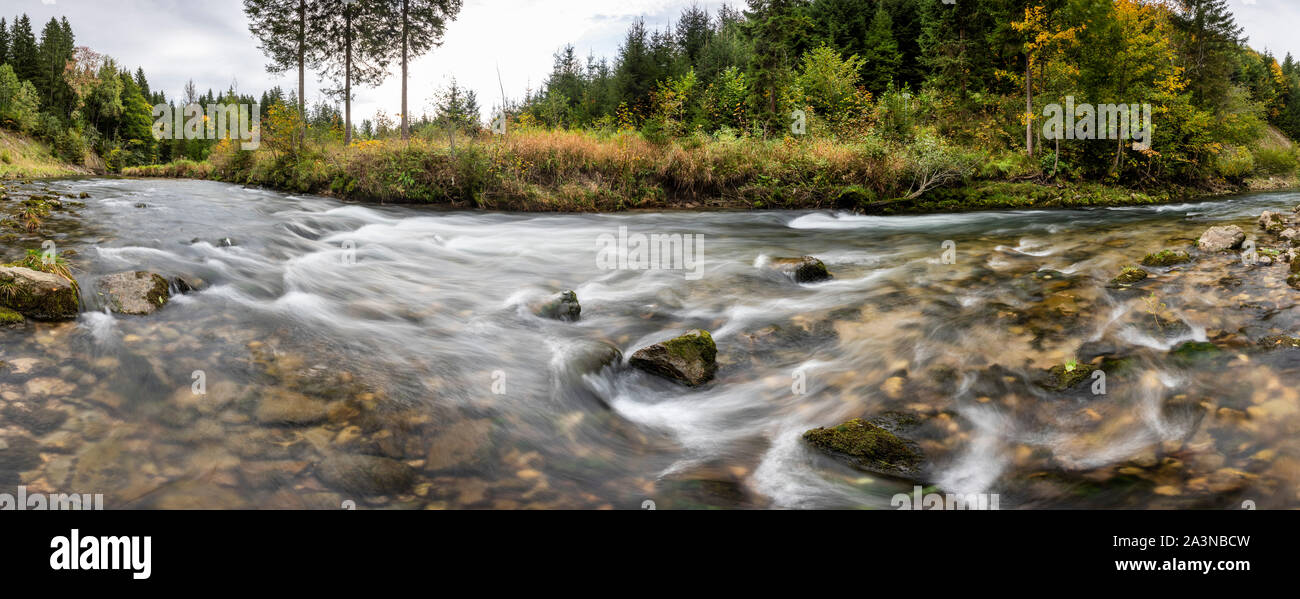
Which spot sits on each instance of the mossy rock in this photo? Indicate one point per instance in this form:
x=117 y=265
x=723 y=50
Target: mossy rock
x=690 y=359
x=9 y=317
x=38 y=295
x=1063 y=377
x=1166 y=258
x=867 y=447
x=562 y=306
x=1293 y=281
x=804 y=269
x=1129 y=275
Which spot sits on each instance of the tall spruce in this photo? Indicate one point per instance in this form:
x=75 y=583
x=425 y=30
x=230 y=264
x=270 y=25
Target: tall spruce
x=419 y=25
x=23 y=52
x=883 y=58
x=355 y=48
x=288 y=36
x=1210 y=41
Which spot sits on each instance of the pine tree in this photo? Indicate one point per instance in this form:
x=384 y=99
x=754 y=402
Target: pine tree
x=419 y=25
x=355 y=48
x=54 y=53
x=881 y=53
x=776 y=28
x=23 y=51
x=1210 y=41
x=289 y=36
x=637 y=70
x=4 y=41
x=693 y=31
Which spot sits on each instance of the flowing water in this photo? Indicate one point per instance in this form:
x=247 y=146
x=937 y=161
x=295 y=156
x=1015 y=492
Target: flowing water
x=322 y=330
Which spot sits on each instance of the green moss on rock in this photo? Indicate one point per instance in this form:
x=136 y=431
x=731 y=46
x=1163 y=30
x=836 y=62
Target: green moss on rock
x=690 y=359
x=1065 y=376
x=1166 y=258
x=562 y=306
x=9 y=317
x=867 y=447
x=1129 y=275
x=38 y=295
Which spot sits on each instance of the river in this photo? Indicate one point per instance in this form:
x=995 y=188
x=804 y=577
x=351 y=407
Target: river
x=405 y=334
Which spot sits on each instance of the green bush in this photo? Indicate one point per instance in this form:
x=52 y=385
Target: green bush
x=1275 y=161
x=1234 y=163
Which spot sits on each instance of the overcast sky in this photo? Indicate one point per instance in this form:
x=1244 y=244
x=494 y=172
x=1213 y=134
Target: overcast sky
x=208 y=41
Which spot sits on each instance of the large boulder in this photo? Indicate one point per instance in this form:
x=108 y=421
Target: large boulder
x=805 y=269
x=867 y=447
x=1220 y=239
x=139 y=293
x=561 y=306
x=690 y=359
x=38 y=295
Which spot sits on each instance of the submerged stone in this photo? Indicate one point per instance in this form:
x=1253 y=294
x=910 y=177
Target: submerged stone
x=365 y=474
x=690 y=359
x=1194 y=351
x=38 y=295
x=868 y=447
x=805 y=269
x=138 y=293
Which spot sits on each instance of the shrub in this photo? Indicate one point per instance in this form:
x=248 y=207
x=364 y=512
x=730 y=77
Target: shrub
x=1234 y=163
x=1275 y=161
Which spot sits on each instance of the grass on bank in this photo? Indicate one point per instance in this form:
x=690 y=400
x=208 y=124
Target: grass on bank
x=22 y=157
x=562 y=170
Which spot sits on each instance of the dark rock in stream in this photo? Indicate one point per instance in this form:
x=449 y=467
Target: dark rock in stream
x=868 y=447
x=690 y=359
x=138 y=293
x=562 y=306
x=805 y=269
x=1064 y=377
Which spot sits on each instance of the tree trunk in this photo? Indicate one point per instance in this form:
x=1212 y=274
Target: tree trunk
x=302 y=69
x=406 y=124
x=1029 y=107
x=347 y=79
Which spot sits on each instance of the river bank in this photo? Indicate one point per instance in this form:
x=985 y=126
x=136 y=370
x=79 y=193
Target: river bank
x=556 y=171
x=24 y=158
